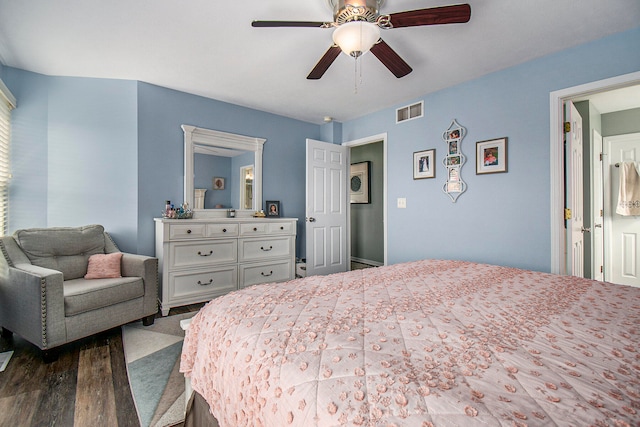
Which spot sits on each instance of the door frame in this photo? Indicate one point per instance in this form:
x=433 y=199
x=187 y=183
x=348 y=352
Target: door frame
x=557 y=99
x=363 y=141
x=597 y=207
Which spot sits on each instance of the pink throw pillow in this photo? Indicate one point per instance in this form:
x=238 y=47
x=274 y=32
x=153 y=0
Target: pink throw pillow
x=104 y=266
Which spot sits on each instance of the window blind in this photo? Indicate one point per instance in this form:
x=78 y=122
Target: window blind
x=7 y=102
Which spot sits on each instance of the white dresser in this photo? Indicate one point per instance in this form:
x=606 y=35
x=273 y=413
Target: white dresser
x=200 y=259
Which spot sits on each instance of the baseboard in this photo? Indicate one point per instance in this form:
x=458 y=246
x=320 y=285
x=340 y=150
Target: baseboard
x=366 y=261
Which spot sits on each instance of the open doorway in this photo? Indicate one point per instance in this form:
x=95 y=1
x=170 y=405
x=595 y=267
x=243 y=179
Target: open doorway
x=608 y=108
x=367 y=224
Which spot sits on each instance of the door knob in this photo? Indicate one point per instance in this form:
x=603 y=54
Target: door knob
x=311 y=219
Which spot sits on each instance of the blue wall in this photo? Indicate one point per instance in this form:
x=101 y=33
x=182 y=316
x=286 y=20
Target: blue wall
x=502 y=218
x=111 y=151
x=74 y=155
x=161 y=111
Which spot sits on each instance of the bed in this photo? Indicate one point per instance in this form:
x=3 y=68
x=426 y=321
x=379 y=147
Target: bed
x=424 y=343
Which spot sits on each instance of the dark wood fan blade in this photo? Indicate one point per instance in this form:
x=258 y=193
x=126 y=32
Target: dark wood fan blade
x=263 y=24
x=455 y=14
x=391 y=59
x=325 y=62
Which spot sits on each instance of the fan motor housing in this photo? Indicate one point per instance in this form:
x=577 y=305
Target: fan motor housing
x=355 y=10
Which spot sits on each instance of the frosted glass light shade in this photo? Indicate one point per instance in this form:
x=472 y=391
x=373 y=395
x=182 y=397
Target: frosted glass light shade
x=356 y=37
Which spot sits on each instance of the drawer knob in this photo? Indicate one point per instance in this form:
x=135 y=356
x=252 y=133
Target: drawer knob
x=267 y=275
x=224 y=230
x=188 y=231
x=209 y=254
x=266 y=249
x=255 y=229
x=205 y=284
x=281 y=228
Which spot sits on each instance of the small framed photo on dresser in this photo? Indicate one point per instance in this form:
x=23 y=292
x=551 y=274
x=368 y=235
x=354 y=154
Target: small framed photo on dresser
x=273 y=208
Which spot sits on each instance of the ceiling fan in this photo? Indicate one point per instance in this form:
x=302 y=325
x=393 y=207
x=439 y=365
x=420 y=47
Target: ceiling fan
x=357 y=25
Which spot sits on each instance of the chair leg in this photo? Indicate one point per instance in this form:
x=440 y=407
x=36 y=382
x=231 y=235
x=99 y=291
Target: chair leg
x=6 y=334
x=148 y=320
x=50 y=355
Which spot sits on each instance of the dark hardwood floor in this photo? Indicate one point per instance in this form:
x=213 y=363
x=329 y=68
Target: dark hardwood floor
x=86 y=386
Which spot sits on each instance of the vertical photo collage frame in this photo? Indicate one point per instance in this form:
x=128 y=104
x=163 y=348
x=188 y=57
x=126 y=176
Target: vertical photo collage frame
x=454 y=186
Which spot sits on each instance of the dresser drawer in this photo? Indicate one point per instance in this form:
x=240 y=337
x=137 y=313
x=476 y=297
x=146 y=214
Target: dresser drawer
x=211 y=282
x=281 y=228
x=276 y=271
x=258 y=249
x=222 y=230
x=253 y=229
x=187 y=231
x=203 y=253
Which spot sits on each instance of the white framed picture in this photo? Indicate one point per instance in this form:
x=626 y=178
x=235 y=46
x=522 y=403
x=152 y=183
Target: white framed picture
x=424 y=164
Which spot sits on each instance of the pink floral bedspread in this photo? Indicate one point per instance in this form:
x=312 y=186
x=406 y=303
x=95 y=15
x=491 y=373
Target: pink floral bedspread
x=427 y=343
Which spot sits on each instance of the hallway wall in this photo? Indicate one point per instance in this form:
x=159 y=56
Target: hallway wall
x=367 y=228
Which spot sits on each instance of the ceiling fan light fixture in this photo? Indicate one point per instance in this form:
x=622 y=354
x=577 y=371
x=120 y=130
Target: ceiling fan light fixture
x=356 y=37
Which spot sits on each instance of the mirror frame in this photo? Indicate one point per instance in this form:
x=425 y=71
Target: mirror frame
x=201 y=140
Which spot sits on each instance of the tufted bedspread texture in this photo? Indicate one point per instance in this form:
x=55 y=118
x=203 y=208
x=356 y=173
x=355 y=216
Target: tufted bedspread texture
x=425 y=343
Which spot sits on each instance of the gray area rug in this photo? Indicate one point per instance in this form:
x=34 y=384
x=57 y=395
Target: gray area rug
x=152 y=354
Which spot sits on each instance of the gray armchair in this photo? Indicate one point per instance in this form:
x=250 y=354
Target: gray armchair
x=45 y=298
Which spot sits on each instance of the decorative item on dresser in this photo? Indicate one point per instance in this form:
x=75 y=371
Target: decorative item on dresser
x=201 y=259
x=273 y=208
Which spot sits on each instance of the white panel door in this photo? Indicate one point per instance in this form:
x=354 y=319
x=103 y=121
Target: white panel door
x=622 y=262
x=575 y=200
x=326 y=211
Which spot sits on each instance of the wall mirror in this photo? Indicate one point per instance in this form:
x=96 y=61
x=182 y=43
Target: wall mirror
x=222 y=170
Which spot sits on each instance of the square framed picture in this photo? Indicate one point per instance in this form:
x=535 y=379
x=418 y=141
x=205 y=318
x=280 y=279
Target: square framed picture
x=273 y=208
x=491 y=156
x=424 y=165
x=359 y=183
x=218 y=183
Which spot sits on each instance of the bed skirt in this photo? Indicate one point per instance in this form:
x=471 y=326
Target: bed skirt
x=198 y=414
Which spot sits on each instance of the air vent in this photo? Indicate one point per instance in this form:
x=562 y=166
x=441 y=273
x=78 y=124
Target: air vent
x=410 y=112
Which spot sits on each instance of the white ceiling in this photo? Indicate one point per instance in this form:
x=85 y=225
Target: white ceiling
x=209 y=48
x=615 y=100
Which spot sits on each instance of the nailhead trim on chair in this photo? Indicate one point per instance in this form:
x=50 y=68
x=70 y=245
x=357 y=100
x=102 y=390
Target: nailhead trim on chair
x=43 y=311
x=43 y=297
x=112 y=241
x=6 y=255
x=157 y=284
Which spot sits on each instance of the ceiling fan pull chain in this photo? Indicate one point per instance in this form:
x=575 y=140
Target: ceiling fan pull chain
x=355 y=77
